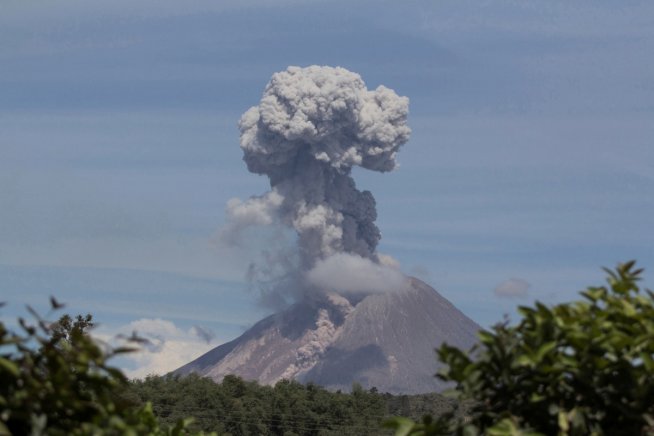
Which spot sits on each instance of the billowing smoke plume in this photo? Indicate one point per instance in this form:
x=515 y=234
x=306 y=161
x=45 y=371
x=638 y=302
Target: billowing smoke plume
x=311 y=127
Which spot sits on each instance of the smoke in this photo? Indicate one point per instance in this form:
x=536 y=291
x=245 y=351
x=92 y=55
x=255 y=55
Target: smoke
x=257 y=211
x=311 y=127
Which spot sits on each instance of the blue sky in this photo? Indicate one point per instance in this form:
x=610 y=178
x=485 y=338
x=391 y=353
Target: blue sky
x=531 y=156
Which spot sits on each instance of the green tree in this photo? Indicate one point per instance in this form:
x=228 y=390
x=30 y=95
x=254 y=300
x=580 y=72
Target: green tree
x=581 y=368
x=55 y=380
x=68 y=328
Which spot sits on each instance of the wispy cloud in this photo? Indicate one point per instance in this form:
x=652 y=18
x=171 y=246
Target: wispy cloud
x=167 y=348
x=512 y=288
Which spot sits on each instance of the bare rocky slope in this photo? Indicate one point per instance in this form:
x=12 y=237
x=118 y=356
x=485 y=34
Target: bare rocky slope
x=385 y=341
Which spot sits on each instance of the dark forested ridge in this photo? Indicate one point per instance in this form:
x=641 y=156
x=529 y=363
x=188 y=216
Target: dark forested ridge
x=239 y=407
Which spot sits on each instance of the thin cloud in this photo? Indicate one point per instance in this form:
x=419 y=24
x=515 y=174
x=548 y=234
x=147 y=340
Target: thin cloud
x=512 y=288
x=168 y=346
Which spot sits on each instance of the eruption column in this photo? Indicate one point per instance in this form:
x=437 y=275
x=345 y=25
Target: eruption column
x=311 y=127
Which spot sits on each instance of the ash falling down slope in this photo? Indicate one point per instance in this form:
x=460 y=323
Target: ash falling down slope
x=386 y=341
x=350 y=314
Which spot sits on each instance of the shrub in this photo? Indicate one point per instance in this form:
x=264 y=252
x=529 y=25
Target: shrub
x=581 y=368
x=55 y=380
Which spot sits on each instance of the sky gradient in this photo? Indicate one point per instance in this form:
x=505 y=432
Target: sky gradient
x=531 y=158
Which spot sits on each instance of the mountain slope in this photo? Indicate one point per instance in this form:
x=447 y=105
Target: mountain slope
x=385 y=340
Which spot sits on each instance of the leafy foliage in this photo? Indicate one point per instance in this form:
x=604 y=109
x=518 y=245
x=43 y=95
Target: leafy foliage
x=68 y=328
x=581 y=368
x=55 y=380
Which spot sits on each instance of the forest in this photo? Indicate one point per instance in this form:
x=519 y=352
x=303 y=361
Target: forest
x=239 y=407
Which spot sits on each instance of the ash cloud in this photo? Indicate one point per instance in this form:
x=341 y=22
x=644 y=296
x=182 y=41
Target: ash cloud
x=312 y=126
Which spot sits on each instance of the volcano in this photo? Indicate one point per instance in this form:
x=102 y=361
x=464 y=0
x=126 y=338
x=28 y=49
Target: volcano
x=312 y=126
x=383 y=340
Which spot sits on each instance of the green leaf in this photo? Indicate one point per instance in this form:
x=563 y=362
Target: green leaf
x=4 y=431
x=9 y=366
x=486 y=337
x=402 y=426
x=563 y=422
x=647 y=361
x=525 y=360
x=508 y=427
x=545 y=349
x=628 y=308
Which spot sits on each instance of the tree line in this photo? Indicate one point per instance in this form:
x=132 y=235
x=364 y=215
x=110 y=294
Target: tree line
x=238 y=407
